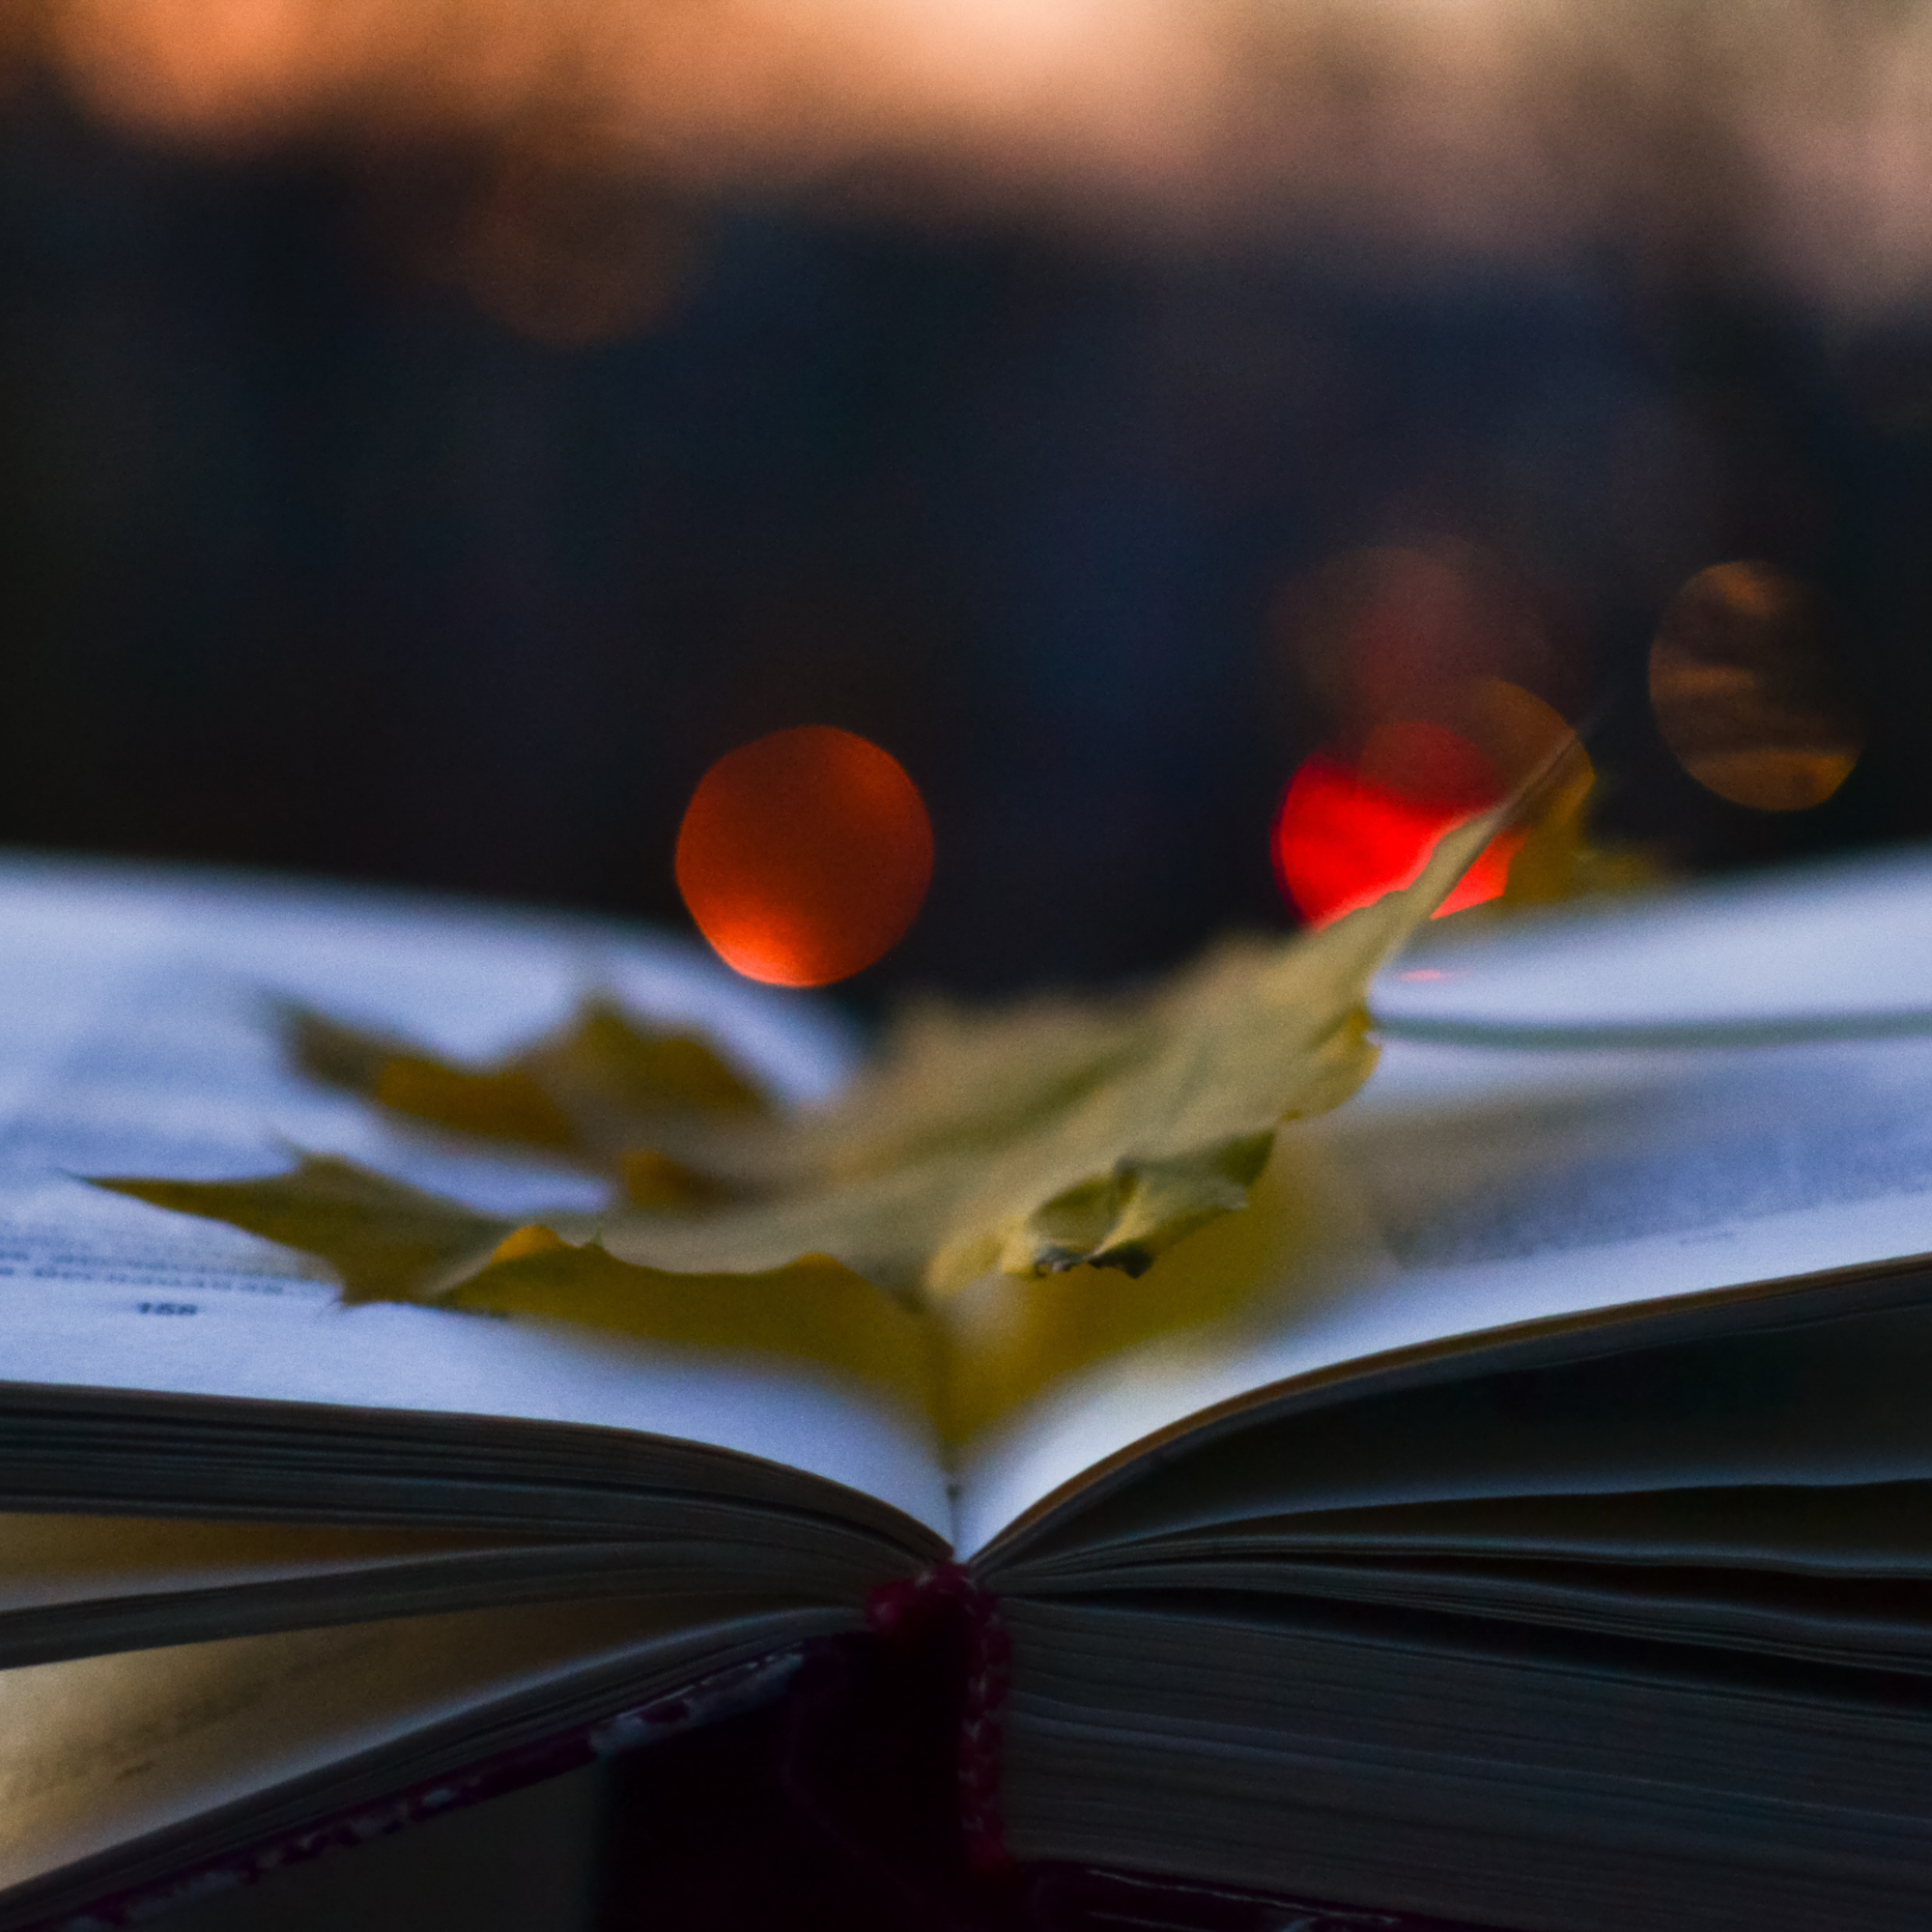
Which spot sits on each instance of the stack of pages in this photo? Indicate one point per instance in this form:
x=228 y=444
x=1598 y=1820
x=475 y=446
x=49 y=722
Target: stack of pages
x=1548 y=1547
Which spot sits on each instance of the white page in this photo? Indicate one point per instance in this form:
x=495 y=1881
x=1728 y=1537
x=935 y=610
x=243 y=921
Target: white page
x=136 y=1038
x=1466 y=1190
x=1850 y=940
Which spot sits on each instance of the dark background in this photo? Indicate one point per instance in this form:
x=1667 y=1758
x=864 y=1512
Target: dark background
x=306 y=560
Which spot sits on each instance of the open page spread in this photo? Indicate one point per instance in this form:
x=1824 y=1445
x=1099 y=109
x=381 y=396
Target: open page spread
x=1486 y=1178
x=137 y=1034
x=1498 y=1175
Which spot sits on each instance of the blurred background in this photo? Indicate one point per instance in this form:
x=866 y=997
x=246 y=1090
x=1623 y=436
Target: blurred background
x=433 y=432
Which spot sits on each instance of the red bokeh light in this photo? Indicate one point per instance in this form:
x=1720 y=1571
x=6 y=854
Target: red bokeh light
x=805 y=856
x=1350 y=829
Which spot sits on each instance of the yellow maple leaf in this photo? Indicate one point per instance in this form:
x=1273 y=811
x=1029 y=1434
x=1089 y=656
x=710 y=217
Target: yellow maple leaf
x=599 y=1087
x=1051 y=1135
x=385 y=1241
x=1052 y=1138
x=811 y=1308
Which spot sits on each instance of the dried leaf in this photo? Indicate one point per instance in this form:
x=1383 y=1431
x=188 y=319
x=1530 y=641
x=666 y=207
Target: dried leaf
x=505 y=1104
x=655 y=1181
x=606 y=1057
x=1006 y=1338
x=599 y=1087
x=385 y=1241
x=1023 y=1148
x=812 y=1308
x=1124 y=1217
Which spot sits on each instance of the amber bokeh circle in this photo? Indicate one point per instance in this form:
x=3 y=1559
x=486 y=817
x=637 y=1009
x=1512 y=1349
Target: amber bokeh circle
x=805 y=856
x=1749 y=691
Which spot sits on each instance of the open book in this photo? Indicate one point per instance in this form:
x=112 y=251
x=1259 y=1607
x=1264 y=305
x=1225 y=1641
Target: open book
x=1548 y=1545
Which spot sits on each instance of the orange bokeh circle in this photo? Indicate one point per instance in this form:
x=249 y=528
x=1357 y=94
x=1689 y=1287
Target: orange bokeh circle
x=803 y=856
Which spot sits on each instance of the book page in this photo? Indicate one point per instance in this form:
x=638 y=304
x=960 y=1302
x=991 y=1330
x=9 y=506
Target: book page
x=1833 y=1406
x=1801 y=948
x=51 y=1562
x=138 y=1036
x=1467 y=1190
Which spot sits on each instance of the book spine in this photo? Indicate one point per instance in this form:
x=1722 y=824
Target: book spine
x=899 y=1609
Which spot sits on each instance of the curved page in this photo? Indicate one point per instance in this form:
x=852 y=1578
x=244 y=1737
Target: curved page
x=1468 y=1193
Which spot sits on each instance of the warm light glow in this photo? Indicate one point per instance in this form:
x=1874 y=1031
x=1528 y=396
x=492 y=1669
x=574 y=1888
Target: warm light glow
x=1749 y=690
x=805 y=856
x=1493 y=123
x=1349 y=831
